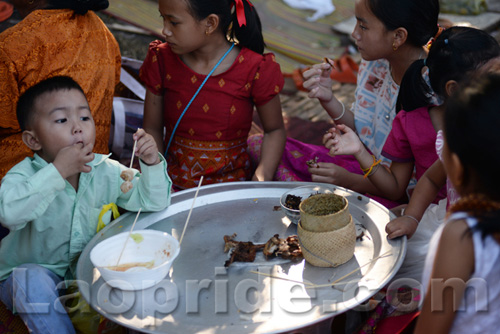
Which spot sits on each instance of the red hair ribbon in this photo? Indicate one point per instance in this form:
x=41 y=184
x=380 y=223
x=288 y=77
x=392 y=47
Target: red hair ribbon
x=240 y=11
x=440 y=30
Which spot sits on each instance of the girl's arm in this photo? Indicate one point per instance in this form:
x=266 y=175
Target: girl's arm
x=273 y=142
x=388 y=183
x=318 y=82
x=452 y=268
x=424 y=193
x=326 y=172
x=153 y=122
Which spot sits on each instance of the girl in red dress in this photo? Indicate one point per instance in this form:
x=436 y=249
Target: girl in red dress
x=214 y=52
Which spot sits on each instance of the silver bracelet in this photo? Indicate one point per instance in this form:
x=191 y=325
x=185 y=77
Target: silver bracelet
x=411 y=217
x=343 y=112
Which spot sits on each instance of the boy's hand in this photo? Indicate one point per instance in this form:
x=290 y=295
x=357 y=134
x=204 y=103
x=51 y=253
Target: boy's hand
x=401 y=226
x=146 y=147
x=73 y=159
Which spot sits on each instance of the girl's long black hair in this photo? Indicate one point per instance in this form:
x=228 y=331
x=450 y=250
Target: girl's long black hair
x=452 y=55
x=418 y=17
x=472 y=123
x=248 y=35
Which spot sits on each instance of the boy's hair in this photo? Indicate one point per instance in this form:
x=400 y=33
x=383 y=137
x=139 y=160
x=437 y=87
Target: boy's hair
x=457 y=51
x=26 y=103
x=418 y=17
x=249 y=35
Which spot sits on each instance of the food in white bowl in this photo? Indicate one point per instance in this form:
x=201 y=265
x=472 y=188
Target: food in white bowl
x=145 y=261
x=291 y=199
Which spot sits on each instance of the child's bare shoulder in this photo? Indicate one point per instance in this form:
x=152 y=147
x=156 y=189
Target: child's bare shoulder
x=455 y=231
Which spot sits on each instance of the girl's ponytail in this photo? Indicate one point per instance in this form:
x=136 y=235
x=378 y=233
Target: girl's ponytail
x=239 y=20
x=246 y=26
x=457 y=51
x=414 y=91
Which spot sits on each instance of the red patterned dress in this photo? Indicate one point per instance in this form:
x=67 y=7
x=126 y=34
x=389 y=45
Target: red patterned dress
x=211 y=139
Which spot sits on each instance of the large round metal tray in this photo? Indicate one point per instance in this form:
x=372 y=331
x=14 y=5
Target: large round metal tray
x=202 y=296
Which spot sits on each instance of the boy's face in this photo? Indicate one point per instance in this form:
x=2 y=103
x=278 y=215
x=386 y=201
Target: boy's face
x=61 y=118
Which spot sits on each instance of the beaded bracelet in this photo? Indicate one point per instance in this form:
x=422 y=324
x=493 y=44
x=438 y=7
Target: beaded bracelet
x=343 y=112
x=371 y=170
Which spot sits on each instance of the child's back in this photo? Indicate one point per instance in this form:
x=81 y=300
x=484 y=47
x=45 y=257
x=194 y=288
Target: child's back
x=463 y=265
x=478 y=310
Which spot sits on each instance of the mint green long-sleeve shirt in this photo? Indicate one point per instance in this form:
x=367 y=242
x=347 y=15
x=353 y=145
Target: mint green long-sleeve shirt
x=50 y=222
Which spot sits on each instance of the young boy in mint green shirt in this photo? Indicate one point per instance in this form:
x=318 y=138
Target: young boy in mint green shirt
x=51 y=202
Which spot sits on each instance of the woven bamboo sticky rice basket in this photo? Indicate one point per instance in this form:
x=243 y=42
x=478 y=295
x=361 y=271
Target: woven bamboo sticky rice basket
x=326 y=230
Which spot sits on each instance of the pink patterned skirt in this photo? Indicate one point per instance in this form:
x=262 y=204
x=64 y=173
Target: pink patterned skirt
x=293 y=165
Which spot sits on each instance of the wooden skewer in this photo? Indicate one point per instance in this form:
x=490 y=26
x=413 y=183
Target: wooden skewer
x=128 y=237
x=352 y=272
x=190 y=210
x=133 y=153
x=310 y=285
x=278 y=277
x=329 y=62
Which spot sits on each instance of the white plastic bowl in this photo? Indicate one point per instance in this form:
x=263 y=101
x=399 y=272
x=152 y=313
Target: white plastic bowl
x=143 y=246
x=304 y=192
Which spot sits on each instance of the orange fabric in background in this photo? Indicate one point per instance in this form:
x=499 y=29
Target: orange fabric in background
x=47 y=43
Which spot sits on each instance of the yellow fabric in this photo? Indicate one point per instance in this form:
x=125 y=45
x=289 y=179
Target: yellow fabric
x=47 y=43
x=106 y=208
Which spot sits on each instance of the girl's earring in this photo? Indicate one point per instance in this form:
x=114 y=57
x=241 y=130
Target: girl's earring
x=206 y=32
x=394 y=47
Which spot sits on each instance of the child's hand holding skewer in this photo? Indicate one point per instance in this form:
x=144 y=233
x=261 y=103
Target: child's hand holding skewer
x=146 y=148
x=329 y=62
x=317 y=80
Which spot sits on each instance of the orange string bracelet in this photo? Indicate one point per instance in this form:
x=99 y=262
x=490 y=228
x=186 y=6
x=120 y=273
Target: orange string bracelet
x=370 y=170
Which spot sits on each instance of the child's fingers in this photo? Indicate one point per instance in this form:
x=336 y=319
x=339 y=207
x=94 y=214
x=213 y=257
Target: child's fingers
x=86 y=169
x=139 y=134
x=147 y=150
x=391 y=226
x=329 y=143
x=311 y=84
x=88 y=157
x=396 y=234
x=342 y=127
x=313 y=93
x=315 y=70
x=87 y=149
x=394 y=230
x=146 y=147
x=326 y=137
